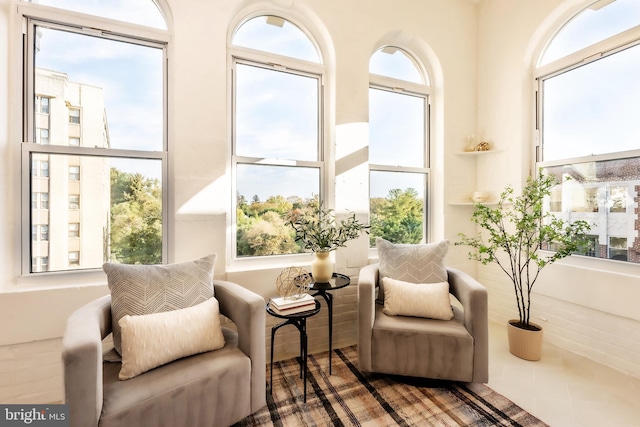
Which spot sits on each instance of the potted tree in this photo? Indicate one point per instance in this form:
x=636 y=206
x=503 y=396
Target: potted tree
x=514 y=235
x=321 y=234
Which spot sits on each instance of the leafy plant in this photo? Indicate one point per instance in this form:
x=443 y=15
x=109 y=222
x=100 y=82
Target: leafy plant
x=520 y=227
x=320 y=232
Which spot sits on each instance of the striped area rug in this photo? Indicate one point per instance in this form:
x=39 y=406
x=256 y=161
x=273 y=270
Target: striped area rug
x=351 y=398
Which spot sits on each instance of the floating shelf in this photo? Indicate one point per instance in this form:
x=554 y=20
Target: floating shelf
x=478 y=153
x=471 y=203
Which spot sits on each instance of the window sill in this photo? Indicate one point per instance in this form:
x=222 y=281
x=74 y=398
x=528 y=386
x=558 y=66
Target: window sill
x=54 y=280
x=270 y=262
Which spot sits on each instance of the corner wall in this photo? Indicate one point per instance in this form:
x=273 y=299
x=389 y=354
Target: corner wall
x=587 y=306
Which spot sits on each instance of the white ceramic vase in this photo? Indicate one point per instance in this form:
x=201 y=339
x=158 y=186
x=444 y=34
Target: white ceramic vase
x=321 y=267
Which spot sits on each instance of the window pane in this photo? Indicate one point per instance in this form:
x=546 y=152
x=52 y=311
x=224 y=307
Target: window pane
x=44 y=200
x=276 y=35
x=604 y=194
x=618 y=248
x=396 y=129
x=74 y=201
x=142 y=12
x=397 y=207
x=593 y=109
x=276 y=114
x=74 y=116
x=394 y=62
x=107 y=93
x=618 y=199
x=74 y=173
x=74 y=229
x=266 y=195
x=121 y=217
x=74 y=259
x=597 y=22
x=42 y=136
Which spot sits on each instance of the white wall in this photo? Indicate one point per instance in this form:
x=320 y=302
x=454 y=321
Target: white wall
x=479 y=57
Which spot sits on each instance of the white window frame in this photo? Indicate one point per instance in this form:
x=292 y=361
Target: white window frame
x=419 y=90
x=604 y=48
x=238 y=54
x=38 y=15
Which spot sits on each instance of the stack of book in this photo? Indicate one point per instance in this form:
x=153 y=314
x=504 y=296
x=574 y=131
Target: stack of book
x=286 y=306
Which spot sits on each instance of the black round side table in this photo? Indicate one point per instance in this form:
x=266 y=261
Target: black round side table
x=337 y=281
x=299 y=320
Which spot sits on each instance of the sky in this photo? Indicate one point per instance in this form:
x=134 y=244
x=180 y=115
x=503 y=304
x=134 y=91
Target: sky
x=281 y=123
x=579 y=119
x=131 y=78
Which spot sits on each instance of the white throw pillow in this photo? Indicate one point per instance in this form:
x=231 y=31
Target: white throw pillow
x=151 y=340
x=429 y=300
x=415 y=263
x=146 y=289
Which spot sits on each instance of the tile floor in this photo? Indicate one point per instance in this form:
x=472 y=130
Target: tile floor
x=563 y=389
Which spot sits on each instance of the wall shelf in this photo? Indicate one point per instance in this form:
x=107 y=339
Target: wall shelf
x=478 y=153
x=471 y=203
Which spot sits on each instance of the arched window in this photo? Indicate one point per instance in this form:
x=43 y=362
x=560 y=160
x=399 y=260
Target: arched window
x=589 y=100
x=277 y=142
x=398 y=141
x=94 y=114
x=139 y=12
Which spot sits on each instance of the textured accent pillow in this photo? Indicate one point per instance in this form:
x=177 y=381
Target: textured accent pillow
x=146 y=289
x=151 y=340
x=412 y=263
x=429 y=300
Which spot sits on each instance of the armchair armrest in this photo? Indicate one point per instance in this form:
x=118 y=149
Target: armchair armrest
x=247 y=310
x=473 y=297
x=82 y=361
x=367 y=281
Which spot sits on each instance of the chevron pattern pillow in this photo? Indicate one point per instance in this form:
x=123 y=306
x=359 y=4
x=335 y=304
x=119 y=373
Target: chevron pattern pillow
x=146 y=289
x=411 y=263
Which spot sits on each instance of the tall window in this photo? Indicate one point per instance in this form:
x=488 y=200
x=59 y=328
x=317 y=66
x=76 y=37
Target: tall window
x=278 y=149
x=398 y=141
x=588 y=124
x=79 y=73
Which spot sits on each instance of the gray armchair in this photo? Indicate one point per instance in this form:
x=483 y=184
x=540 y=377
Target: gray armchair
x=455 y=349
x=216 y=388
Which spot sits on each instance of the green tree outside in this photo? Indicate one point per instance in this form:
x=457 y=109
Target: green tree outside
x=261 y=228
x=136 y=219
x=397 y=218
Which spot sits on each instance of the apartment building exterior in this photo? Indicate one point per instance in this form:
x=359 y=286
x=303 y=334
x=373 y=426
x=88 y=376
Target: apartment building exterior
x=69 y=206
x=606 y=195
